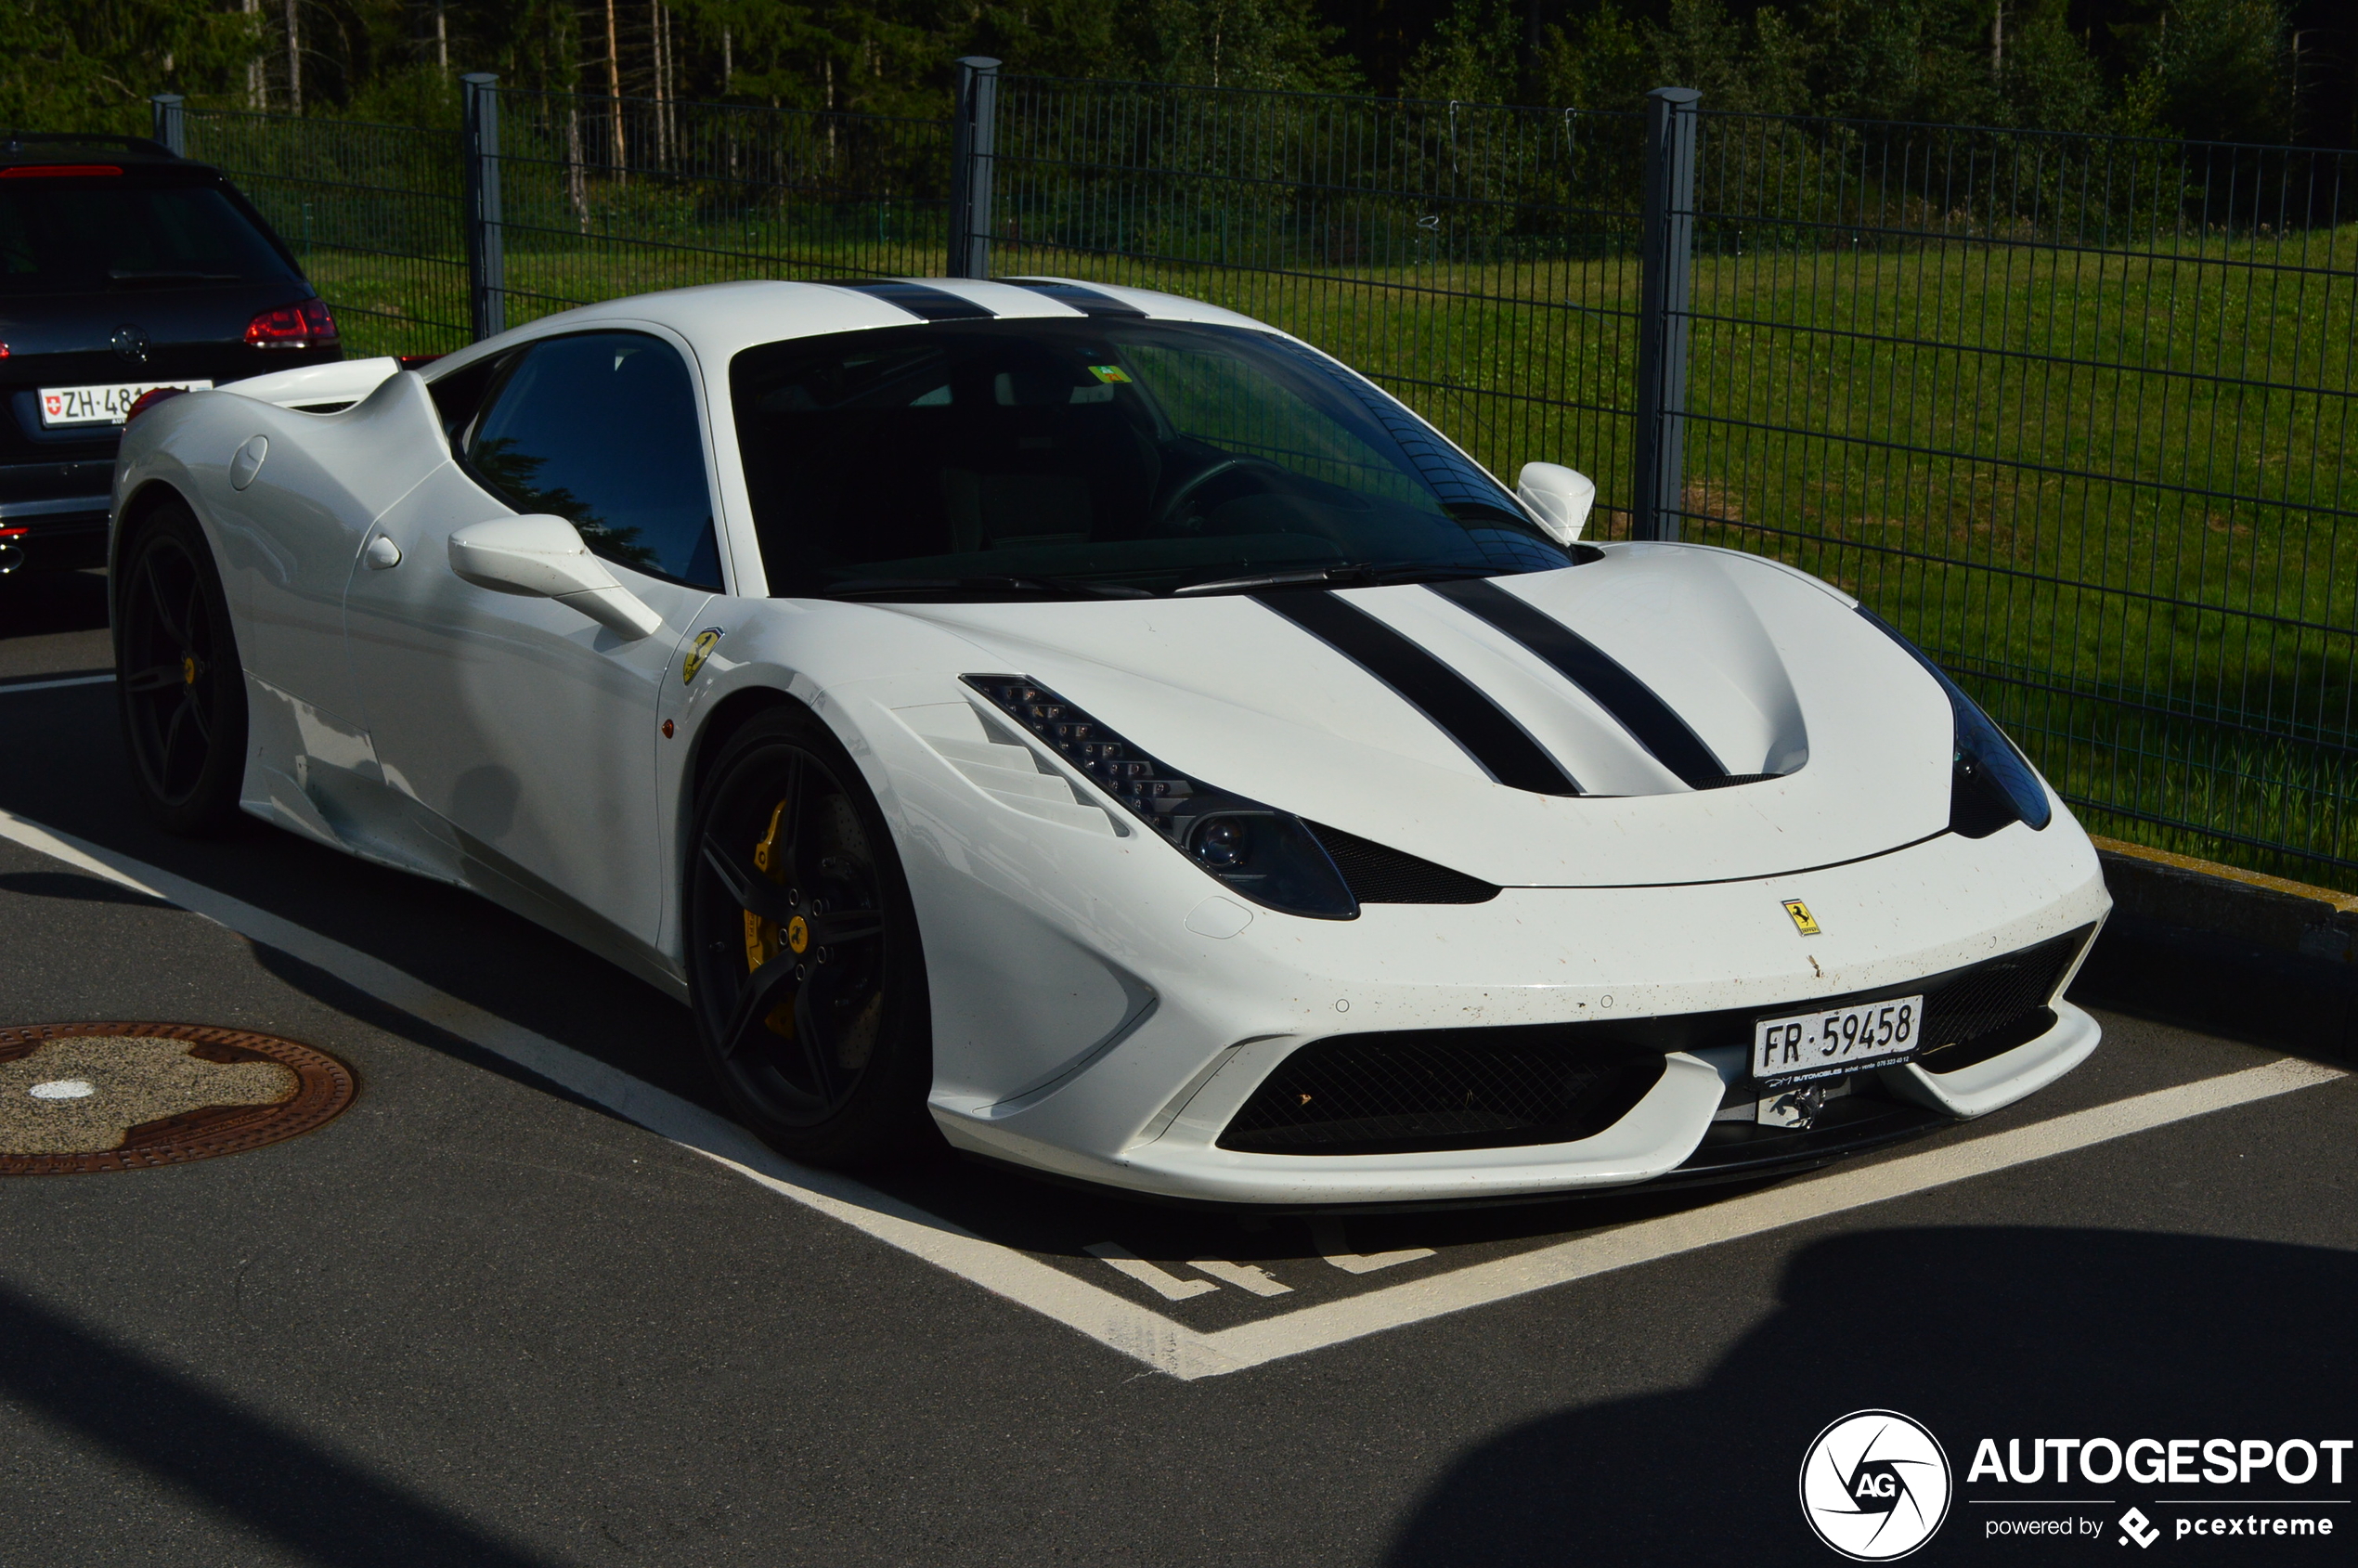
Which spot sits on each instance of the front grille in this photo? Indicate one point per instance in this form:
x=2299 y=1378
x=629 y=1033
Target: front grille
x=1382 y=875
x=1997 y=1006
x=1418 y=1090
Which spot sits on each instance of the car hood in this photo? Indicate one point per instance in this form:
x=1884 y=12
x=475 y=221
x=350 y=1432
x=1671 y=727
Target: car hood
x=1774 y=672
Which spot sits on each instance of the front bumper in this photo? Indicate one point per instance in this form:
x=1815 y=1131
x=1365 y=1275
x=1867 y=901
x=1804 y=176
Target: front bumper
x=1147 y=1111
x=53 y=515
x=55 y=535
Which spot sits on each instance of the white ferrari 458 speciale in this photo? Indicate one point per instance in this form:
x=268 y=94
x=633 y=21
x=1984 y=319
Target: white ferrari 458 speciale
x=1112 y=729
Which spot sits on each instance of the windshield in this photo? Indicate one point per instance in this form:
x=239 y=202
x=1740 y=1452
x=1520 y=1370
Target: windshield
x=74 y=236
x=1072 y=458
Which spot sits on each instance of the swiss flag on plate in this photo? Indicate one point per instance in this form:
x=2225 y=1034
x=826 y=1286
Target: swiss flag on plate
x=57 y=404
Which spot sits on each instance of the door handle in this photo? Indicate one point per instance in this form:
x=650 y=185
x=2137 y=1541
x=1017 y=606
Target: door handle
x=382 y=552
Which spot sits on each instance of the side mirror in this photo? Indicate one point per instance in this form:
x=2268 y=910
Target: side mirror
x=1558 y=496
x=543 y=557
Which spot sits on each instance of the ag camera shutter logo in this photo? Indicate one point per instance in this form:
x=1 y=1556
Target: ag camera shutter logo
x=1875 y=1485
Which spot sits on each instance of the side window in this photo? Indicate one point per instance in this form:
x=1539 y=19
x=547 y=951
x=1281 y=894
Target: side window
x=457 y=393
x=600 y=428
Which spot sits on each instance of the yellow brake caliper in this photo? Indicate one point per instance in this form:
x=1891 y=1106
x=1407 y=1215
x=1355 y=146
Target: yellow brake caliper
x=763 y=939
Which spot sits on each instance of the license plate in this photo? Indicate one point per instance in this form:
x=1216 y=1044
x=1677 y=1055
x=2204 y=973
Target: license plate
x=1801 y=1046
x=101 y=405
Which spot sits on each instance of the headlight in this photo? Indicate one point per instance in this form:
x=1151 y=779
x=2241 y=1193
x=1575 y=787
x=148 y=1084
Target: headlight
x=1258 y=850
x=1994 y=782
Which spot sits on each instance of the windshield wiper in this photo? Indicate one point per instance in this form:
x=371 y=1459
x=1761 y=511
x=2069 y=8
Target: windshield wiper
x=881 y=588
x=1351 y=574
x=1484 y=512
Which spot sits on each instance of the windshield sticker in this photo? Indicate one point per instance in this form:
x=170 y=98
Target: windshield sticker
x=1109 y=373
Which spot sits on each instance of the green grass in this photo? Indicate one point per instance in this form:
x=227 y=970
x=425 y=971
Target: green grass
x=2108 y=501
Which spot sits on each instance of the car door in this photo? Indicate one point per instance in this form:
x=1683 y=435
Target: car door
x=516 y=721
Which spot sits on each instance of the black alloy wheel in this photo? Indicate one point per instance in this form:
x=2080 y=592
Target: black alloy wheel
x=804 y=967
x=178 y=683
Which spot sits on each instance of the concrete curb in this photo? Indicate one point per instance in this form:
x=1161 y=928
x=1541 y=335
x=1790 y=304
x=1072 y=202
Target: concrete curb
x=2267 y=911
x=2230 y=951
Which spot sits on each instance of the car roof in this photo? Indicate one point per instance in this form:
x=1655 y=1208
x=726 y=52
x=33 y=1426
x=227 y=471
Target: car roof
x=18 y=148
x=720 y=319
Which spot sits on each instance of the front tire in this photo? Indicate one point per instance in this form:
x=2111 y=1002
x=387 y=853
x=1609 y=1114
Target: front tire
x=804 y=967
x=179 y=687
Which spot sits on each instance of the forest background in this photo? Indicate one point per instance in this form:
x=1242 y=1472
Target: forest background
x=2267 y=71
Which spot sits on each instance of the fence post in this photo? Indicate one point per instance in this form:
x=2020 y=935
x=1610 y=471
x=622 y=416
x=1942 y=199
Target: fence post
x=972 y=138
x=486 y=259
x=1665 y=267
x=170 y=129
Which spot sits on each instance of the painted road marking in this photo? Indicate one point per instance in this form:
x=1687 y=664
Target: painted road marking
x=1170 y=1286
x=1326 y=1235
x=1111 y=1320
x=1244 y=1276
x=6 y=687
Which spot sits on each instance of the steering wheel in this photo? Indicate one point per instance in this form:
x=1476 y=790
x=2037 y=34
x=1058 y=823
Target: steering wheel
x=1201 y=477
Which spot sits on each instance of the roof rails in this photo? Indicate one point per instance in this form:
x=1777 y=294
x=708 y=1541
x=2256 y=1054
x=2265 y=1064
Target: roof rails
x=16 y=142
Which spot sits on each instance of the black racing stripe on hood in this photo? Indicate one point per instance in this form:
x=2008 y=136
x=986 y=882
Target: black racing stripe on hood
x=1088 y=302
x=1655 y=724
x=1451 y=701
x=923 y=300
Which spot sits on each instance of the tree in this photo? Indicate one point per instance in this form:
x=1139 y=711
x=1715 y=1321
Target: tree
x=2212 y=69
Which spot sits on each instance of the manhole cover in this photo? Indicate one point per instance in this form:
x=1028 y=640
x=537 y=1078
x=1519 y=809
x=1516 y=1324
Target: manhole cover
x=124 y=1096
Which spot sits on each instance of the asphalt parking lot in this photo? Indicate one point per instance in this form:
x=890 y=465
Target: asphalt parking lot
x=532 y=1300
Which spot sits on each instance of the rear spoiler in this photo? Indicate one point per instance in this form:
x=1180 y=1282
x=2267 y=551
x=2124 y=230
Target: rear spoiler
x=344 y=382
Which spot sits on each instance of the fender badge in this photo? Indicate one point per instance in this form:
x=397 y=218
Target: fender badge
x=1803 y=921
x=697 y=655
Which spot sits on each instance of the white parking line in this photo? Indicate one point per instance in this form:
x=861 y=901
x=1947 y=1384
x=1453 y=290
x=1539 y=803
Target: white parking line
x=6 y=687
x=1113 y=1320
x=1326 y=1235
x=1244 y=1276
x=1170 y=1286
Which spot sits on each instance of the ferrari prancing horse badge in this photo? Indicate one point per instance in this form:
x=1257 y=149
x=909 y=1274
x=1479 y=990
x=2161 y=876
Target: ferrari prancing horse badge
x=1803 y=921
x=697 y=655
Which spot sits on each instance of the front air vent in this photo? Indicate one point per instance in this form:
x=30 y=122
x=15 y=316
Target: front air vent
x=1012 y=775
x=1382 y=875
x=1411 y=1090
x=1995 y=1006
x=1005 y=769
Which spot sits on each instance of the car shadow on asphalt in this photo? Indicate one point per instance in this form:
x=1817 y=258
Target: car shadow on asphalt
x=76 y=888
x=240 y=1464
x=50 y=603
x=2206 y=980
x=62 y=765
x=1974 y=1333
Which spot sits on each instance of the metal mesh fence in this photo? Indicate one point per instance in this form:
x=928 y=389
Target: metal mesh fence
x=373 y=212
x=2074 y=412
x=1479 y=262
x=605 y=196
